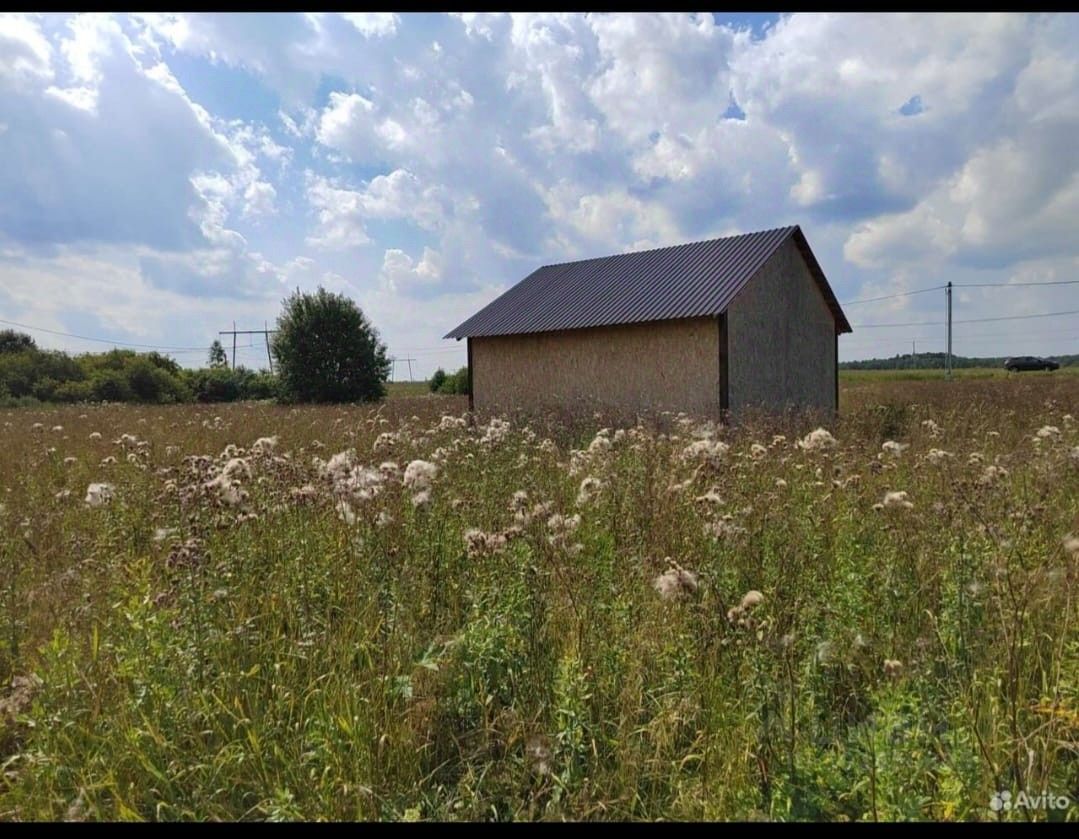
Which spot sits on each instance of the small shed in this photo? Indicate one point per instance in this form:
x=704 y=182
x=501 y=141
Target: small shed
x=708 y=327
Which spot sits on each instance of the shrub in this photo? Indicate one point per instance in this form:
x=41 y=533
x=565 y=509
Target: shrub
x=74 y=392
x=12 y=341
x=111 y=386
x=457 y=383
x=327 y=351
x=216 y=384
x=437 y=380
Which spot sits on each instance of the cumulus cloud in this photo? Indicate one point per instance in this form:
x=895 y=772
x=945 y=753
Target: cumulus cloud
x=441 y=158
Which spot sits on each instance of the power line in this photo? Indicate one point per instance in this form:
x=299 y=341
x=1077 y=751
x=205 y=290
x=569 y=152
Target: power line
x=973 y=320
x=891 y=296
x=103 y=340
x=1014 y=285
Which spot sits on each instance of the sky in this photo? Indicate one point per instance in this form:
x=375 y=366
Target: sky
x=166 y=175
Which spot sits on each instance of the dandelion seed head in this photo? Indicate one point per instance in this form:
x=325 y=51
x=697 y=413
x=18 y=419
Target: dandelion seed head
x=590 y=488
x=420 y=474
x=897 y=500
x=1047 y=432
x=817 y=440
x=98 y=494
x=752 y=599
x=675 y=582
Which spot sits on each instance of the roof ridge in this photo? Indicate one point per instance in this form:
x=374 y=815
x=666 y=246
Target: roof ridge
x=790 y=227
x=692 y=279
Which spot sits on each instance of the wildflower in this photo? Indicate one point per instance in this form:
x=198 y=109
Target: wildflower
x=57 y=428
x=70 y=461
x=931 y=427
x=108 y=461
x=478 y=543
x=710 y=497
x=337 y=467
x=538 y=755
x=98 y=494
x=95 y=435
x=897 y=500
x=991 y=474
x=303 y=494
x=264 y=445
x=817 y=439
x=778 y=440
x=936 y=456
x=893 y=448
x=1068 y=420
x=675 y=582
x=892 y=668
x=163 y=533
x=548 y=446
x=390 y=470
x=1047 y=432
x=448 y=423
x=37 y=426
x=780 y=483
x=723 y=527
x=422 y=499
x=345 y=512
x=62 y=495
x=757 y=451
x=495 y=432
x=226 y=489
x=752 y=599
x=710 y=452
x=519 y=502
x=419 y=474
x=1071 y=546
x=383 y=519
x=590 y=488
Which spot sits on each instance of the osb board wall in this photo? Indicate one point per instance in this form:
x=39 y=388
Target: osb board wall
x=666 y=365
x=781 y=336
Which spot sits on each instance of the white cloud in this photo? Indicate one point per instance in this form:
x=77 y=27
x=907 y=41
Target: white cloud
x=25 y=54
x=342 y=212
x=401 y=274
x=909 y=147
x=373 y=24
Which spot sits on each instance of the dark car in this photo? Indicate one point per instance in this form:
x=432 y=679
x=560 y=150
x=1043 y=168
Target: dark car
x=1030 y=362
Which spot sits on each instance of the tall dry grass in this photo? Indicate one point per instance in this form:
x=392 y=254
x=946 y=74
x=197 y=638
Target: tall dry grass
x=743 y=623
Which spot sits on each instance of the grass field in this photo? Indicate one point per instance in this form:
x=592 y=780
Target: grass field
x=396 y=390
x=853 y=377
x=268 y=613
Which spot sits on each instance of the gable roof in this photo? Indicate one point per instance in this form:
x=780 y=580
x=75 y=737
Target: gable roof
x=699 y=279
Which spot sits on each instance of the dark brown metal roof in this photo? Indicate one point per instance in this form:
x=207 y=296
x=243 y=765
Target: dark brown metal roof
x=684 y=281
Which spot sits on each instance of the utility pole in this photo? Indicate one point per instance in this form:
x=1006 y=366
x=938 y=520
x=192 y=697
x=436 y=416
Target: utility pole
x=913 y=353
x=265 y=333
x=948 y=356
x=410 y=360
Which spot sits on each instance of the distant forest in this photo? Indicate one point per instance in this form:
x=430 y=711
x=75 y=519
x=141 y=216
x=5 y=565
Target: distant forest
x=935 y=361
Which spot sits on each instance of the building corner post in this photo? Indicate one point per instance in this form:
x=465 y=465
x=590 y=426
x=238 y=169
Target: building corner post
x=471 y=379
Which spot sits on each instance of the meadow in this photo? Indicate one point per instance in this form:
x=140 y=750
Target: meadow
x=261 y=612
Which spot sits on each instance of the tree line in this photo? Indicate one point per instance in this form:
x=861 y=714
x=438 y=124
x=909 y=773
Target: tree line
x=325 y=350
